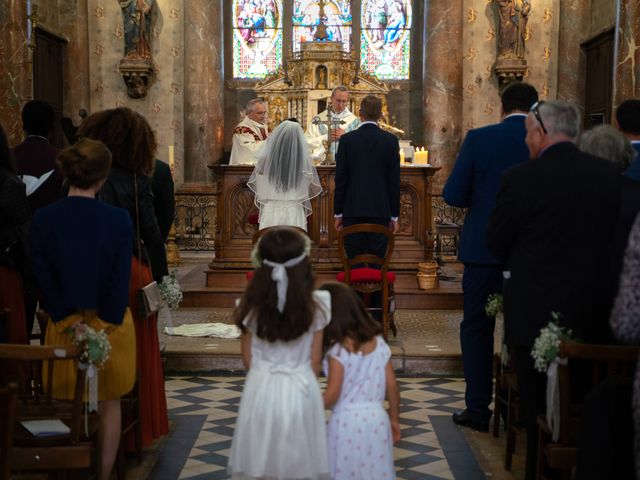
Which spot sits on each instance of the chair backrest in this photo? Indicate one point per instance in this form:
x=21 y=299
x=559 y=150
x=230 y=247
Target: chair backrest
x=587 y=365
x=349 y=263
x=8 y=404
x=35 y=394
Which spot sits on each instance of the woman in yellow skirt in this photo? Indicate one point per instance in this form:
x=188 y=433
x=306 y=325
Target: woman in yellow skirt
x=81 y=255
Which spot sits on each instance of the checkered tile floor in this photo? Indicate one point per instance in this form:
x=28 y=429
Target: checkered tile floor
x=203 y=410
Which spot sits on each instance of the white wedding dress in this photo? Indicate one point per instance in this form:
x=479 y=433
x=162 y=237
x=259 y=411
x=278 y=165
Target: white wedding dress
x=280 y=431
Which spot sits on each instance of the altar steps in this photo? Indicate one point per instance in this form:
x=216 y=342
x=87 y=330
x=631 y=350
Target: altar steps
x=221 y=288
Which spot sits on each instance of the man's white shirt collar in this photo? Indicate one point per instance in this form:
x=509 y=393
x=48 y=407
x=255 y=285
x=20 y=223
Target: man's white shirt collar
x=368 y=121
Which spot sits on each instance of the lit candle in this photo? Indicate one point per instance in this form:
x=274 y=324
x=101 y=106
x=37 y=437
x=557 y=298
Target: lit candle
x=426 y=157
x=171 y=159
x=401 y=156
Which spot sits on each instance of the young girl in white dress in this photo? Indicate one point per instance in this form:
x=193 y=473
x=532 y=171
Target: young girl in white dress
x=360 y=376
x=280 y=432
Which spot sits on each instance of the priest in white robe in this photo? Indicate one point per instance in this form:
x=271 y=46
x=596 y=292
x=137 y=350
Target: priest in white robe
x=250 y=134
x=316 y=134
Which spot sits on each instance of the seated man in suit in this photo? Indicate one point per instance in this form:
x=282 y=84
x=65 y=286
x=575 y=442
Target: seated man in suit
x=628 y=120
x=473 y=184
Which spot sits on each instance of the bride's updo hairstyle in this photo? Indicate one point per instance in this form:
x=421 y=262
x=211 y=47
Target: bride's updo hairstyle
x=85 y=163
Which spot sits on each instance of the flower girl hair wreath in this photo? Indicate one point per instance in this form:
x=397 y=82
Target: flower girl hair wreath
x=281 y=258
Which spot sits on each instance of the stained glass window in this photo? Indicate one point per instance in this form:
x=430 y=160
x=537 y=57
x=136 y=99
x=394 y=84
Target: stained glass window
x=386 y=38
x=306 y=18
x=257 y=37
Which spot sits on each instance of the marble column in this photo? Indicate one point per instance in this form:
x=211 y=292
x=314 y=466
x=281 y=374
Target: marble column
x=627 y=67
x=204 y=83
x=74 y=24
x=15 y=67
x=575 y=19
x=442 y=85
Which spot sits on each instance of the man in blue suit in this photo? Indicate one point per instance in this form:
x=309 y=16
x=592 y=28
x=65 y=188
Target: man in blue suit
x=628 y=119
x=473 y=184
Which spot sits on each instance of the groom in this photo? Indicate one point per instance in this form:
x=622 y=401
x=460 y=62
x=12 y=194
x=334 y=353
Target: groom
x=367 y=180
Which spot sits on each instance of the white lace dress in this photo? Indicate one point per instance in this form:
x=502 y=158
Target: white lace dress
x=280 y=432
x=360 y=440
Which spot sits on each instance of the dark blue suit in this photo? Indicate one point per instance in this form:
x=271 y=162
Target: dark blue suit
x=474 y=183
x=367 y=184
x=633 y=172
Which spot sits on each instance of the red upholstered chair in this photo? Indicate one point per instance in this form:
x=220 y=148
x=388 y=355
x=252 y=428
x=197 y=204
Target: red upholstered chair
x=367 y=280
x=260 y=233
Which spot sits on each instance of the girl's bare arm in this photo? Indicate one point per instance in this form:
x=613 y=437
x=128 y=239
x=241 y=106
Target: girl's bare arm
x=334 y=383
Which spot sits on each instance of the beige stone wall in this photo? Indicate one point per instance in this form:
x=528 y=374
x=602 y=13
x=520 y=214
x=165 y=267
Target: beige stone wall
x=603 y=16
x=163 y=104
x=481 y=102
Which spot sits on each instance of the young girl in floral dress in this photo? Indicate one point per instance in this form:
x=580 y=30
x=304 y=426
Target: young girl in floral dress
x=359 y=377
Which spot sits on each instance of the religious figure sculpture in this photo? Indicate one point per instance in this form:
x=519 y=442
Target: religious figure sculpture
x=136 y=67
x=136 y=15
x=513 y=24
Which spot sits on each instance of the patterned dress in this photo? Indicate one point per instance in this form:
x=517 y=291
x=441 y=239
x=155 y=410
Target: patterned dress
x=360 y=440
x=625 y=318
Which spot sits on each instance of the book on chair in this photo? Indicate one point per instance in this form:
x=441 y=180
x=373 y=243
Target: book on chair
x=46 y=428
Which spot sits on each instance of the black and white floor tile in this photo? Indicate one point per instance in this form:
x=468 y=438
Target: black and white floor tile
x=203 y=410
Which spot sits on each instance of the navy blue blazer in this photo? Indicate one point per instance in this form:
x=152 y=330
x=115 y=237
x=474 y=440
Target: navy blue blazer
x=633 y=172
x=81 y=252
x=475 y=180
x=367 y=174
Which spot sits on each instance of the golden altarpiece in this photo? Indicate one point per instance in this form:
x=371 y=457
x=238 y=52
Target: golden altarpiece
x=302 y=92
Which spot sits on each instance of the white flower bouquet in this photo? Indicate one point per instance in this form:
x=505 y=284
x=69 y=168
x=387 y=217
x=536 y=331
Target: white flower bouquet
x=170 y=291
x=494 y=305
x=545 y=348
x=94 y=345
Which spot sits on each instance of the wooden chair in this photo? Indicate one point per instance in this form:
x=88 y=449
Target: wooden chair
x=4 y=320
x=8 y=405
x=62 y=452
x=367 y=280
x=600 y=362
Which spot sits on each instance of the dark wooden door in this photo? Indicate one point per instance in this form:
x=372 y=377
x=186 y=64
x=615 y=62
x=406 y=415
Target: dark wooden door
x=599 y=79
x=48 y=63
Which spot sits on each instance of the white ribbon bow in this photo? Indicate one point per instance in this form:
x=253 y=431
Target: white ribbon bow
x=279 y=275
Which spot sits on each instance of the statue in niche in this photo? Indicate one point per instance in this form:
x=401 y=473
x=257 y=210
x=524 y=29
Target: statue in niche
x=136 y=67
x=321 y=77
x=513 y=25
x=136 y=15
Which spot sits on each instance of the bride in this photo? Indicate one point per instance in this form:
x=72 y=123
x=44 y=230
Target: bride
x=284 y=180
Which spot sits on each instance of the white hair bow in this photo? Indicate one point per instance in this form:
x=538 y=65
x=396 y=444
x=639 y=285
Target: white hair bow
x=279 y=275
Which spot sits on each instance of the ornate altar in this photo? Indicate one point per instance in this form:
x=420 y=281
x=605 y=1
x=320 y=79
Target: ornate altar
x=233 y=236
x=312 y=73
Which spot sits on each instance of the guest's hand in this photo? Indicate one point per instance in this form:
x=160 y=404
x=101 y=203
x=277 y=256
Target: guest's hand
x=393 y=225
x=338 y=223
x=336 y=134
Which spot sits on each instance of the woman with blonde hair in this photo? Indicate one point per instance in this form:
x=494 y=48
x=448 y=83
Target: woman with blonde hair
x=81 y=256
x=133 y=145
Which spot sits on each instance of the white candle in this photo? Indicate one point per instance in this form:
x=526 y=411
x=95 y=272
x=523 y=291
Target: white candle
x=401 y=156
x=171 y=159
x=426 y=157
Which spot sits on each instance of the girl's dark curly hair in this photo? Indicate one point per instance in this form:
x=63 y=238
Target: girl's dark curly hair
x=127 y=134
x=261 y=297
x=349 y=317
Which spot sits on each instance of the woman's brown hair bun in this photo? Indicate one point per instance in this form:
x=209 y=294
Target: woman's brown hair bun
x=85 y=163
